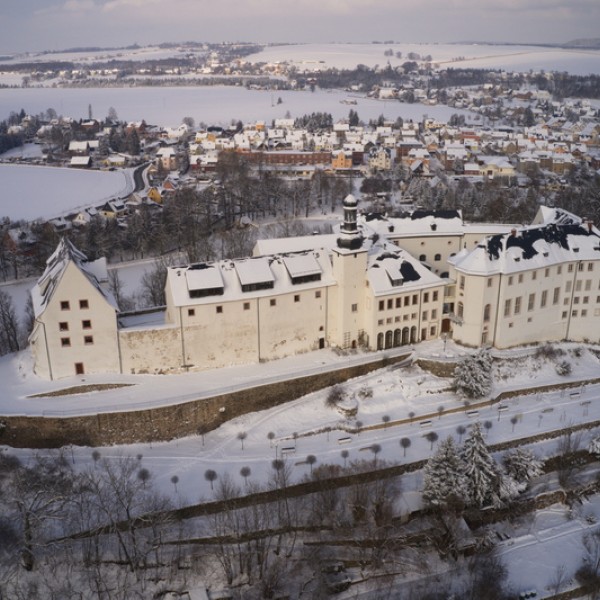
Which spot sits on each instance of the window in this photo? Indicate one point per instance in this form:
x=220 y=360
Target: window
x=272 y=302
x=434 y=297
x=434 y=314
x=318 y=294
x=437 y=257
x=398 y=302
x=590 y=266
x=380 y=322
x=86 y=324
x=568 y=287
x=520 y=278
x=406 y=300
x=84 y=304
x=576 y=300
x=426 y=297
x=588 y=285
x=425 y=315
x=381 y=305
x=564 y=315
x=422 y=257
x=461 y=284
x=517 y=305
x=570 y=268
x=507 y=304
x=490 y=282
x=79 y=370
x=296 y=297
x=460 y=310
x=246 y=305
x=432 y=331
x=574 y=313
x=65 y=342
x=219 y=310
x=64 y=305
x=544 y=299
x=578 y=286
x=191 y=312
x=556 y=296
x=355 y=308
x=581 y=265
x=510 y=280
x=486 y=312
x=584 y=313
x=586 y=299
x=63 y=326
x=389 y=320
x=531 y=302
x=390 y=303
x=547 y=273
x=397 y=319
x=415 y=299
x=559 y=270
x=88 y=340
x=534 y=276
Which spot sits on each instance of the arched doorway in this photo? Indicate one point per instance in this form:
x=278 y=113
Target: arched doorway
x=380 y=341
x=413 y=334
x=405 y=336
x=389 y=339
x=397 y=338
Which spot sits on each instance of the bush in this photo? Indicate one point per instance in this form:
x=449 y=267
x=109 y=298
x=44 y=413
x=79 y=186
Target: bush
x=549 y=351
x=336 y=394
x=563 y=368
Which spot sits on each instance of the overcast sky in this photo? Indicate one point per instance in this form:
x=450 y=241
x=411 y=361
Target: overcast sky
x=34 y=25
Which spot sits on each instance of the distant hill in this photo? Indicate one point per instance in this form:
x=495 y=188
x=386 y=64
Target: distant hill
x=589 y=43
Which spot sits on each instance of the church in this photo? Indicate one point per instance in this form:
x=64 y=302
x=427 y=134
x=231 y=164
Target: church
x=376 y=283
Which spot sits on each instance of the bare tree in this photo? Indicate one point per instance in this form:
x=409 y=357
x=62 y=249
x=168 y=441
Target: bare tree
x=242 y=435
x=345 y=455
x=461 y=430
x=210 y=476
x=311 y=459
x=9 y=325
x=405 y=444
x=245 y=472
x=432 y=438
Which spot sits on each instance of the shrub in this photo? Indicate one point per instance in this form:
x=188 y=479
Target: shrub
x=473 y=375
x=336 y=394
x=563 y=368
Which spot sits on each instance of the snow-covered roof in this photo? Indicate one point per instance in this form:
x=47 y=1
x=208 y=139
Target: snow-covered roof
x=416 y=223
x=531 y=248
x=232 y=280
x=66 y=253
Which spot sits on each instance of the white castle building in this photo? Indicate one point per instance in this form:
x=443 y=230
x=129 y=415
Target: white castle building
x=379 y=283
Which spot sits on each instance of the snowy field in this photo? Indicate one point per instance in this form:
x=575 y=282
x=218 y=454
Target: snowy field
x=32 y=193
x=167 y=106
x=133 y=54
x=509 y=58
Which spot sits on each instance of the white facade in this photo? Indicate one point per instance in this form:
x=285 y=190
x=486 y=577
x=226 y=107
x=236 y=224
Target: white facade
x=377 y=284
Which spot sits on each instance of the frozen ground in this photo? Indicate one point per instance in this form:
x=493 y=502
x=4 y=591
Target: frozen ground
x=167 y=106
x=32 y=193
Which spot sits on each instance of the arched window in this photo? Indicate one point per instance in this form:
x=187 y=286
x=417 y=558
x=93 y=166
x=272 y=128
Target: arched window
x=486 y=312
x=423 y=257
x=413 y=335
x=437 y=257
x=405 y=336
x=380 y=341
x=389 y=339
x=397 y=338
x=460 y=310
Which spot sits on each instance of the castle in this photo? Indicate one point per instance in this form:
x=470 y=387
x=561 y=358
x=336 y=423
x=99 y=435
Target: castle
x=378 y=283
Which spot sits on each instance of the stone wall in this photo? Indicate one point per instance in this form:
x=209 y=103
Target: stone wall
x=169 y=422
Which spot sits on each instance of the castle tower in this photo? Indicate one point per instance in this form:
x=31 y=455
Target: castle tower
x=347 y=308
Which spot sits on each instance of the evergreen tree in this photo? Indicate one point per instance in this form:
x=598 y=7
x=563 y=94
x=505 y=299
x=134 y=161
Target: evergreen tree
x=443 y=476
x=481 y=477
x=522 y=465
x=473 y=375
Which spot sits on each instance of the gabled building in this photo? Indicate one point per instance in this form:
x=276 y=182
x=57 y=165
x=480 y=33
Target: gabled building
x=75 y=328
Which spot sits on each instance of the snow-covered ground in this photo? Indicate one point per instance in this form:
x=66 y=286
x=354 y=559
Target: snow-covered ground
x=532 y=551
x=31 y=193
x=167 y=106
x=509 y=58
